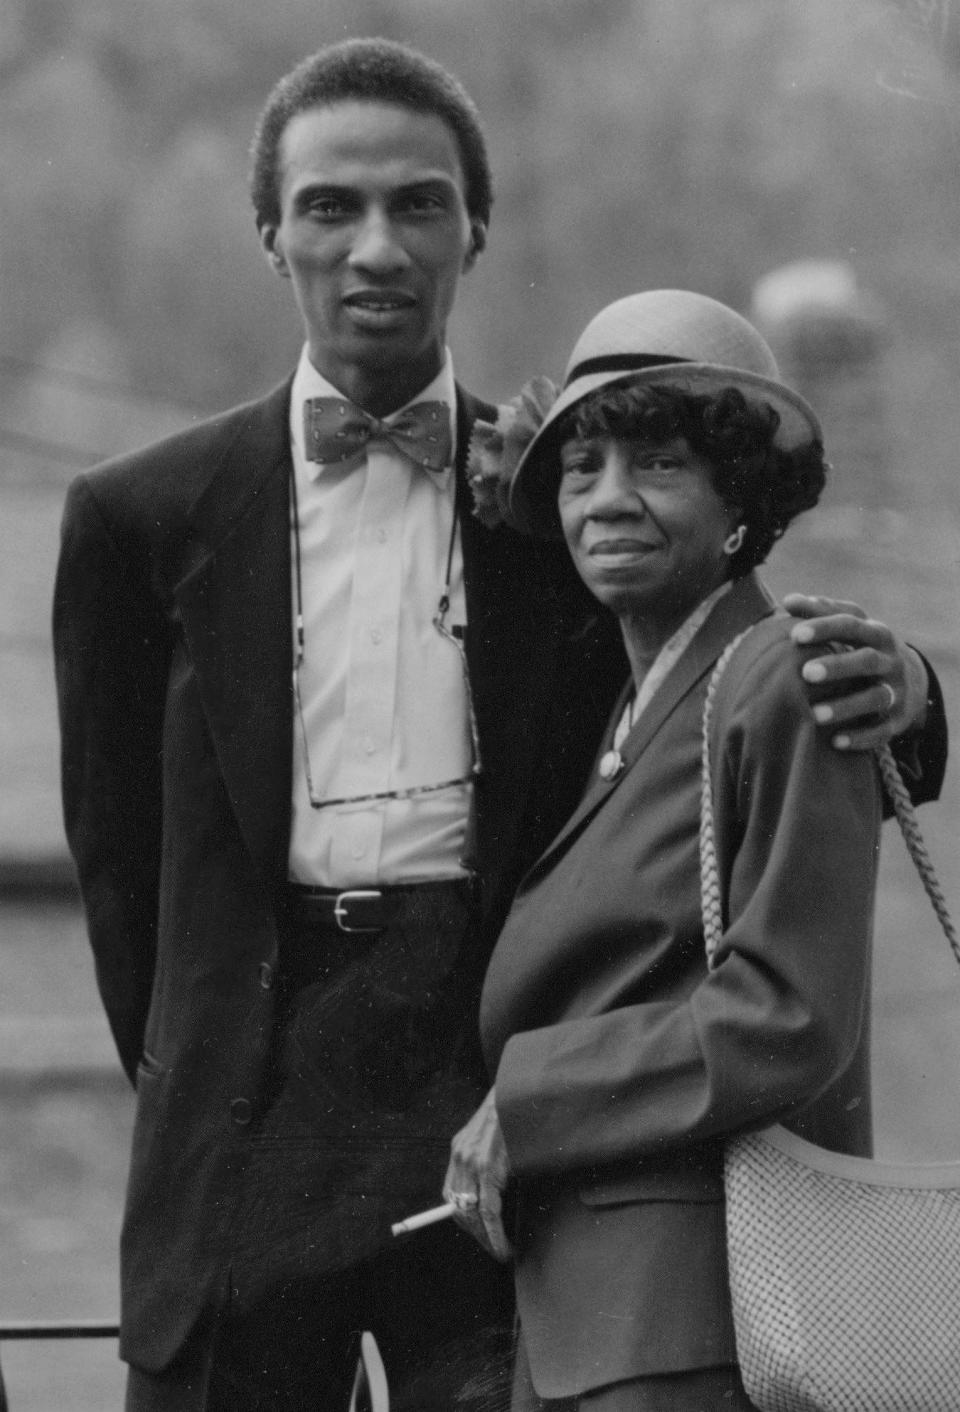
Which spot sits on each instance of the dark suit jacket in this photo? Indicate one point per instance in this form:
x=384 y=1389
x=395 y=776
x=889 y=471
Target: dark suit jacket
x=172 y=628
x=621 y=1064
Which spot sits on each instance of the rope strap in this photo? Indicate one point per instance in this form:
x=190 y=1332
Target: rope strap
x=711 y=900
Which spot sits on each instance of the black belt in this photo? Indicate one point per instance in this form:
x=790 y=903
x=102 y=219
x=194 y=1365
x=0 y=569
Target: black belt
x=363 y=911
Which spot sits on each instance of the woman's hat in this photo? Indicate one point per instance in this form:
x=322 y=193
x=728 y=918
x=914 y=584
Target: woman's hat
x=663 y=337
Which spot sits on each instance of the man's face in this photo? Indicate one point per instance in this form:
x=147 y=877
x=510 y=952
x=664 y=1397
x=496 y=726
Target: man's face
x=374 y=235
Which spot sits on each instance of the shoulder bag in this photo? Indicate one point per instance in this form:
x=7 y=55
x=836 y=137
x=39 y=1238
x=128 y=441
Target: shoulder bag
x=844 y=1271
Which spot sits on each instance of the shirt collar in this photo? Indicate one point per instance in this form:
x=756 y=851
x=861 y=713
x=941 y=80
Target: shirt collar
x=308 y=382
x=666 y=659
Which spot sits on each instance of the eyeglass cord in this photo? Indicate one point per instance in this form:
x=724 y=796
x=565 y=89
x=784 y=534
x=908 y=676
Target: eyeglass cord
x=443 y=607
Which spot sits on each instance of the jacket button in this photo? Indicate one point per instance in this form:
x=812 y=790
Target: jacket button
x=266 y=976
x=241 y=1111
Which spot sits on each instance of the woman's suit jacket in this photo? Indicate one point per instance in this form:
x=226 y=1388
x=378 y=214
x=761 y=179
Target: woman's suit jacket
x=172 y=626
x=621 y=1064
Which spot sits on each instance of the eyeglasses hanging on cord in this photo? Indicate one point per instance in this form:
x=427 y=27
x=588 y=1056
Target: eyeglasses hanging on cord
x=439 y=622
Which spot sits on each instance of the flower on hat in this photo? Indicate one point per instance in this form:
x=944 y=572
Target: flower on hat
x=496 y=448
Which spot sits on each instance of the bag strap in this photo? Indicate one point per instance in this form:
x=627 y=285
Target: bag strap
x=711 y=901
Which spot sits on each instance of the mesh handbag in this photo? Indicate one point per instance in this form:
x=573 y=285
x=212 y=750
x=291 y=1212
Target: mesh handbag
x=844 y=1271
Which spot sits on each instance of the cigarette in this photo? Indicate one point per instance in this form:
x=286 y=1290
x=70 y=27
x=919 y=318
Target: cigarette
x=423 y=1218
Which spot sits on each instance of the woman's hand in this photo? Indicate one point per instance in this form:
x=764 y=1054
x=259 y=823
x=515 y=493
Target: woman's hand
x=476 y=1179
x=876 y=690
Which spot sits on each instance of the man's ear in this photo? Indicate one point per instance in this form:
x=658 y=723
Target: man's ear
x=478 y=242
x=272 y=248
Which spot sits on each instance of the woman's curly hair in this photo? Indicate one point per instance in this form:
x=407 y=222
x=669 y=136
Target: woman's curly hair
x=765 y=486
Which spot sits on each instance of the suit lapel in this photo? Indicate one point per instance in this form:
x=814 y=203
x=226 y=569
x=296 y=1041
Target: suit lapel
x=746 y=603
x=469 y=410
x=512 y=647
x=235 y=608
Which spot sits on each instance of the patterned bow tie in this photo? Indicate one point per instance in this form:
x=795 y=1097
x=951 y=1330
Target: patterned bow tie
x=336 y=431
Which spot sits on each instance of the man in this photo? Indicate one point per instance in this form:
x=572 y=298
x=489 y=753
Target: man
x=291 y=893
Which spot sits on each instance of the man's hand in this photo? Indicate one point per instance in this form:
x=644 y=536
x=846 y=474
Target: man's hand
x=875 y=690
x=477 y=1177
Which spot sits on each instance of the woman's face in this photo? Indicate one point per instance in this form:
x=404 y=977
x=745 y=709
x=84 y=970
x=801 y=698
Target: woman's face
x=644 y=525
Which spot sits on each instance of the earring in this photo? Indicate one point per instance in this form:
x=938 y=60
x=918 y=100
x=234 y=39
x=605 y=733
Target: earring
x=733 y=541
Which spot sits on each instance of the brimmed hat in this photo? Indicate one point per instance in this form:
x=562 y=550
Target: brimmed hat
x=663 y=337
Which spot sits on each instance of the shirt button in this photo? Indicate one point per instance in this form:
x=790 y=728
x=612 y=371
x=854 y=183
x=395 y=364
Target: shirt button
x=357 y=851
x=382 y=536
x=376 y=635
x=266 y=976
x=369 y=745
x=241 y=1111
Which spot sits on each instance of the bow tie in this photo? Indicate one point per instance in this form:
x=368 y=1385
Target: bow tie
x=336 y=431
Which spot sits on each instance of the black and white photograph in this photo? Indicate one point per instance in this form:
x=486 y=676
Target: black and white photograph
x=478 y=786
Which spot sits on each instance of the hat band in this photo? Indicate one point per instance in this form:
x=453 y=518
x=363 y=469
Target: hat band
x=620 y=363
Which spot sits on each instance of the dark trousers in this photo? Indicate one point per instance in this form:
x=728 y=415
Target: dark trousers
x=437 y=1308
x=376 y=1066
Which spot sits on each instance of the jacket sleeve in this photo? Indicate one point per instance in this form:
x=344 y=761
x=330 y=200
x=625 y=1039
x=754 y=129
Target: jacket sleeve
x=779 y=1018
x=111 y=659
x=922 y=754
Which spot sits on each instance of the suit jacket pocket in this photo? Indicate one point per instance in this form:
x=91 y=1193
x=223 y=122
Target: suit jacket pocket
x=655 y=1184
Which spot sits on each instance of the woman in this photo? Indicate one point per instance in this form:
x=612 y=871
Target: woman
x=671 y=462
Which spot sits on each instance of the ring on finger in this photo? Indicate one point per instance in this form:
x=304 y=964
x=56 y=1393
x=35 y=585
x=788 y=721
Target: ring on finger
x=892 y=695
x=465 y=1200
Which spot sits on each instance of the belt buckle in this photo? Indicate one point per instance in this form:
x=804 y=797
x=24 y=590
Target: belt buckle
x=341 y=908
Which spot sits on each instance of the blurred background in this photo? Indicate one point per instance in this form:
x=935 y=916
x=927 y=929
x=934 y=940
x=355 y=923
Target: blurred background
x=799 y=159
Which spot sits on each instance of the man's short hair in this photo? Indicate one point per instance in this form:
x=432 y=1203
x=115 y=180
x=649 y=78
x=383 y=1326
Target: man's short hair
x=376 y=71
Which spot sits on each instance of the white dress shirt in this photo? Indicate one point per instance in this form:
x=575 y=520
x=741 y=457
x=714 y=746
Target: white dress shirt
x=383 y=694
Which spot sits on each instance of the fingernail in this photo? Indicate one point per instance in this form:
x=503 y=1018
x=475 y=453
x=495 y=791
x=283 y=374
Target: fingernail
x=842 y=742
x=813 y=671
x=802 y=633
x=822 y=714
